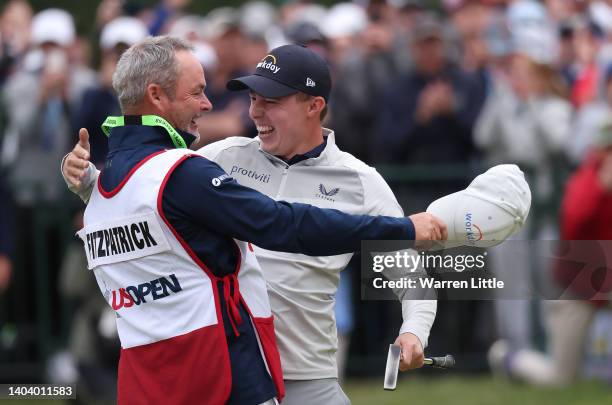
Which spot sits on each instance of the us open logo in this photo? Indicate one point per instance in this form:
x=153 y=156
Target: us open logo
x=159 y=288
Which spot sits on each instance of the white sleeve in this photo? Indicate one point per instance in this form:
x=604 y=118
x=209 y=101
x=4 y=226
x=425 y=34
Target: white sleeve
x=418 y=318
x=87 y=185
x=418 y=315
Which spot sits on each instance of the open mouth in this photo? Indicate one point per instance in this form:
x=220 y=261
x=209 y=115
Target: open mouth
x=265 y=129
x=193 y=123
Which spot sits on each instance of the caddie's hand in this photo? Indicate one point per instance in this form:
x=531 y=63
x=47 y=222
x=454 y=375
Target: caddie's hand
x=77 y=161
x=428 y=227
x=412 y=351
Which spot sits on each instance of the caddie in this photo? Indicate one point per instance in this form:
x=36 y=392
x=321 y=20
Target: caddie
x=294 y=159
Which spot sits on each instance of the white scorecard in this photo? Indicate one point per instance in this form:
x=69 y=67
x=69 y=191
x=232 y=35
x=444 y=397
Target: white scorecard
x=392 y=369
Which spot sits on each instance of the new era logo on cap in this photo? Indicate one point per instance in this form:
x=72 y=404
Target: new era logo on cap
x=287 y=70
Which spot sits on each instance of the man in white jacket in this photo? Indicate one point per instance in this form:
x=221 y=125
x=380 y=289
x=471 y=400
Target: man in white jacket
x=295 y=159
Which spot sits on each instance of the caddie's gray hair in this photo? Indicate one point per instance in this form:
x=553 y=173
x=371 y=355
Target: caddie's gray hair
x=151 y=60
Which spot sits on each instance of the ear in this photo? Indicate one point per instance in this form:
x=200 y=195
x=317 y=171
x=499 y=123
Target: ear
x=316 y=105
x=156 y=96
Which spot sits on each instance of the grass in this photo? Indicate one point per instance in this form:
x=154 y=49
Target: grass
x=468 y=390
x=454 y=390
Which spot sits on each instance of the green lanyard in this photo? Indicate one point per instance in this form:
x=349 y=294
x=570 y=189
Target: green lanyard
x=148 y=120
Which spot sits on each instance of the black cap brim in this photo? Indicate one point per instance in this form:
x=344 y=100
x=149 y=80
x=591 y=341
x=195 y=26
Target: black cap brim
x=261 y=85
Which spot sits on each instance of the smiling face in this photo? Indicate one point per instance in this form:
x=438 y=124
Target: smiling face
x=284 y=124
x=189 y=101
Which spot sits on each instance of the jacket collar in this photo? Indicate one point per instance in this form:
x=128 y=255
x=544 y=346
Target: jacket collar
x=314 y=156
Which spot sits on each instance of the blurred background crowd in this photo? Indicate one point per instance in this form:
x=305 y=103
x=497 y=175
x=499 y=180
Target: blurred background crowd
x=428 y=92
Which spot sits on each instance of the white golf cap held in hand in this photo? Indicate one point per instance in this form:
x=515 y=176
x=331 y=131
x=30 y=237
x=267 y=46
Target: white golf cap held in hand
x=493 y=207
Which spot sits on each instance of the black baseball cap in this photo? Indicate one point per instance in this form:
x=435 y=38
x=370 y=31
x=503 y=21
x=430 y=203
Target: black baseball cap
x=287 y=70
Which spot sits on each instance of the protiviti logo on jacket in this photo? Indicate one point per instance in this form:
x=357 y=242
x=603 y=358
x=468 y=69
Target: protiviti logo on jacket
x=263 y=177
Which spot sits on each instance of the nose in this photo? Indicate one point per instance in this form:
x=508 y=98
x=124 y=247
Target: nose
x=206 y=105
x=255 y=110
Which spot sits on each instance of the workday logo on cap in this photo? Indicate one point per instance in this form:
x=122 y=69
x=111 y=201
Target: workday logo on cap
x=473 y=233
x=269 y=62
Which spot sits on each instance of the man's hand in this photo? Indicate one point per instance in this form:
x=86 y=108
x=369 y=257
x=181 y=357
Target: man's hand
x=77 y=161
x=412 y=351
x=428 y=227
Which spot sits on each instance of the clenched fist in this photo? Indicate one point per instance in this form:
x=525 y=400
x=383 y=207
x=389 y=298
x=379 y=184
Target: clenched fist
x=428 y=228
x=412 y=351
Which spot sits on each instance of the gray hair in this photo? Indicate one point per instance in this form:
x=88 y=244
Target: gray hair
x=151 y=60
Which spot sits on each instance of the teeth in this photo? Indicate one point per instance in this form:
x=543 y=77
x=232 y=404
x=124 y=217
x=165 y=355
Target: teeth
x=264 y=128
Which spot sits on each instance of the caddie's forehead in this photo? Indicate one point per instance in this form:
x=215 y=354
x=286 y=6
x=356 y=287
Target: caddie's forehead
x=190 y=66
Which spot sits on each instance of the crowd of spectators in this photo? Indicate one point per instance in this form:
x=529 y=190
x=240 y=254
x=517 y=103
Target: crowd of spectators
x=468 y=82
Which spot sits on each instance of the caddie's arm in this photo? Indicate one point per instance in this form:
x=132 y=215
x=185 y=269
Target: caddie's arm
x=208 y=196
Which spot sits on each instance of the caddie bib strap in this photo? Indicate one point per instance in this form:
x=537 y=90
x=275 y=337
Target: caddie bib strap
x=147 y=120
x=231 y=294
